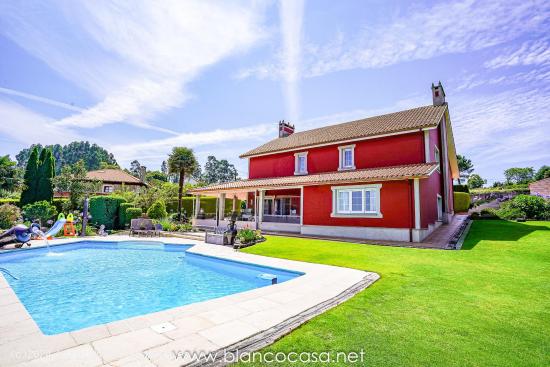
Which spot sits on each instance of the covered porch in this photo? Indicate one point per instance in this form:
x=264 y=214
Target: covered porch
x=271 y=210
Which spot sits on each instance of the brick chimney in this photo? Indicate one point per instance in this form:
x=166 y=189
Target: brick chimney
x=142 y=173
x=285 y=129
x=438 y=94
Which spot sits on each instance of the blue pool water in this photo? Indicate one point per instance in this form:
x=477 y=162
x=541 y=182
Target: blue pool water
x=91 y=283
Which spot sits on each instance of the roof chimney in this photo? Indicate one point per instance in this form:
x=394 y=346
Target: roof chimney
x=285 y=129
x=438 y=94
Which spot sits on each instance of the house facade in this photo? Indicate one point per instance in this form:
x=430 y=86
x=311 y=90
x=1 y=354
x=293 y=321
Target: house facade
x=115 y=179
x=386 y=177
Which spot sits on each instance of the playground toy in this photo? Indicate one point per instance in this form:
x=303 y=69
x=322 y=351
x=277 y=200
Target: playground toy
x=68 y=227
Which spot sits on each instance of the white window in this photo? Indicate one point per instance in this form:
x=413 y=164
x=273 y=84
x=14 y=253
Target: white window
x=356 y=200
x=437 y=158
x=108 y=189
x=347 y=157
x=300 y=163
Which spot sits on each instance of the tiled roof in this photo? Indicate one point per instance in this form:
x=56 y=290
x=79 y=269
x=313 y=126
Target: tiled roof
x=416 y=118
x=421 y=170
x=113 y=175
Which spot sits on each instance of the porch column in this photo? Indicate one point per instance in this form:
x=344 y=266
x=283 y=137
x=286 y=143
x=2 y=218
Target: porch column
x=302 y=206
x=197 y=206
x=256 y=217
x=416 y=186
x=221 y=207
x=261 y=206
x=234 y=203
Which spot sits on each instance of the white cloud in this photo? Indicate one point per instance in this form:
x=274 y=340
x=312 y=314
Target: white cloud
x=504 y=129
x=446 y=28
x=134 y=57
x=215 y=141
x=532 y=52
x=27 y=127
x=36 y=98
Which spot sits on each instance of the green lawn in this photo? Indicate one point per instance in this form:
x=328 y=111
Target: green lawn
x=486 y=305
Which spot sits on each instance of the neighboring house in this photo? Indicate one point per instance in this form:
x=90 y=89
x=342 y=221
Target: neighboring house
x=387 y=177
x=115 y=179
x=540 y=188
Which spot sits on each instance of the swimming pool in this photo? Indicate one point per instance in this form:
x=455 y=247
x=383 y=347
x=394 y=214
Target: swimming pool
x=89 y=283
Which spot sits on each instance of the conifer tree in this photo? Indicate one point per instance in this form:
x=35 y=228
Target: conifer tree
x=46 y=172
x=30 y=179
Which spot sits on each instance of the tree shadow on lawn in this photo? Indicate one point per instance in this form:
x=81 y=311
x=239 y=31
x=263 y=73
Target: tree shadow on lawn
x=499 y=230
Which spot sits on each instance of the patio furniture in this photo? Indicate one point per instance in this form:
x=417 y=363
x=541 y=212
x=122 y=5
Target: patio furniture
x=141 y=226
x=158 y=229
x=219 y=236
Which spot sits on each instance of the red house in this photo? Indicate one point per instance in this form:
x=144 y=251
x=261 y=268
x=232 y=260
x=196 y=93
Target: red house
x=386 y=177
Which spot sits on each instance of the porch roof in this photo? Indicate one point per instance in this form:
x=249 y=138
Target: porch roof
x=421 y=170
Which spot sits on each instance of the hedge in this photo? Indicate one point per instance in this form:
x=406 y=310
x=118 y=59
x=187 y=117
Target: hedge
x=132 y=213
x=461 y=202
x=122 y=219
x=58 y=203
x=104 y=210
x=461 y=188
x=208 y=204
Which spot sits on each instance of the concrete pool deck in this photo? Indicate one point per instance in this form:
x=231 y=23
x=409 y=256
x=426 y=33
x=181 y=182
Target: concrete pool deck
x=242 y=322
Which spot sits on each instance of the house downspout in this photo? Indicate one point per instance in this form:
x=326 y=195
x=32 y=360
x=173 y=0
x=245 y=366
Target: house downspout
x=411 y=210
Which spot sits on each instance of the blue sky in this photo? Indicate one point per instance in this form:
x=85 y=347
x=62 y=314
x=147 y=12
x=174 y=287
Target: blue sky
x=141 y=77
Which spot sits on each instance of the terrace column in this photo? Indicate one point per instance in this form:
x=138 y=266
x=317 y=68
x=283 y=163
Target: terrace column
x=197 y=206
x=234 y=203
x=221 y=207
x=261 y=206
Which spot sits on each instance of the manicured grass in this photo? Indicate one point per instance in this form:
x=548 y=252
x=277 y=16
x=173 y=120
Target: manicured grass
x=486 y=305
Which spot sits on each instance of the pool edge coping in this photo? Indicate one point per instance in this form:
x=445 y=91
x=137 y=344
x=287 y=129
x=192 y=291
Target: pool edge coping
x=355 y=281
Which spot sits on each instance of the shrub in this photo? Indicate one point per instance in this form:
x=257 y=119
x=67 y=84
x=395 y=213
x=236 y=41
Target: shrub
x=41 y=210
x=247 y=235
x=122 y=219
x=157 y=210
x=9 y=215
x=509 y=213
x=132 y=213
x=61 y=205
x=184 y=227
x=461 y=188
x=11 y=201
x=461 y=202
x=104 y=210
x=533 y=207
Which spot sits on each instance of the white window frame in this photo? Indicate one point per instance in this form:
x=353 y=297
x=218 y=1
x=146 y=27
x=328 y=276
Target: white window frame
x=437 y=158
x=112 y=189
x=350 y=213
x=341 y=155
x=297 y=157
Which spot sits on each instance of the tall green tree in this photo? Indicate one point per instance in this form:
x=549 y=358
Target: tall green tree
x=46 y=173
x=30 y=179
x=475 y=181
x=519 y=175
x=465 y=167
x=543 y=172
x=9 y=174
x=73 y=179
x=92 y=154
x=218 y=171
x=182 y=161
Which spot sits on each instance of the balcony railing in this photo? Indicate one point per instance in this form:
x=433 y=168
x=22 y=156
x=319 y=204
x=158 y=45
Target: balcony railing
x=281 y=218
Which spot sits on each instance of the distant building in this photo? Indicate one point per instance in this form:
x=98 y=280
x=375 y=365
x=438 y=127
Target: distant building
x=540 y=188
x=114 y=179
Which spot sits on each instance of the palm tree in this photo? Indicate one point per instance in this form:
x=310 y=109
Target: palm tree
x=182 y=161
